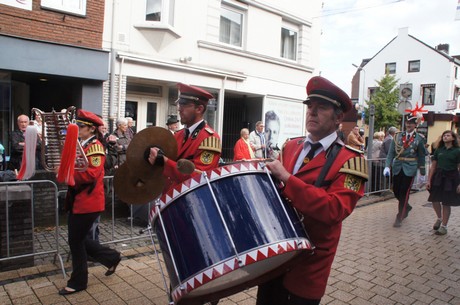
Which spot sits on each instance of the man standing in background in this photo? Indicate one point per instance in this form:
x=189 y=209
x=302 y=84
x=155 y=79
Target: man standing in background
x=257 y=141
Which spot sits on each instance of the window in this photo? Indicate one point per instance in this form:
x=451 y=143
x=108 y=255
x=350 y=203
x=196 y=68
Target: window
x=288 y=43
x=414 y=66
x=231 y=27
x=372 y=92
x=428 y=92
x=160 y=11
x=77 y=7
x=390 y=68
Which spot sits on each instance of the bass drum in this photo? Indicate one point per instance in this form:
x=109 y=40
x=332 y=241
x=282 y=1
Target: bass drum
x=222 y=230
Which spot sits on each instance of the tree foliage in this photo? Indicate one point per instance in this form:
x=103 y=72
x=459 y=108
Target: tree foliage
x=385 y=100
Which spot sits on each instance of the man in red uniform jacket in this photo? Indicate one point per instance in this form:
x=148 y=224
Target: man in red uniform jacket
x=324 y=207
x=197 y=142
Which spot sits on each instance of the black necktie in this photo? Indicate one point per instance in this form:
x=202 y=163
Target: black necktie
x=187 y=133
x=311 y=154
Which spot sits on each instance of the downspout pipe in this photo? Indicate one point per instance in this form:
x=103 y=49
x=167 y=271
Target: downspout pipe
x=113 y=58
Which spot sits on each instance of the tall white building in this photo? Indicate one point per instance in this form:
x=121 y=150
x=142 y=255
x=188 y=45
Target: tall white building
x=253 y=56
x=427 y=75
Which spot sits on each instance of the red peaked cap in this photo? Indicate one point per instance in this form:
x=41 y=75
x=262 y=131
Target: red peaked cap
x=321 y=88
x=88 y=118
x=195 y=94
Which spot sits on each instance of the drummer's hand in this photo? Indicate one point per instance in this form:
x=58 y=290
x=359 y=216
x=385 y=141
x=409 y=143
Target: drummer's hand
x=153 y=155
x=278 y=170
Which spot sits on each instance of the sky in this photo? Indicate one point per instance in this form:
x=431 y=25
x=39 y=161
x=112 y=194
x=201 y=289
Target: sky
x=353 y=30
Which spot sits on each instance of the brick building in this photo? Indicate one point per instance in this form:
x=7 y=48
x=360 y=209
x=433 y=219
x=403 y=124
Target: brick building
x=51 y=58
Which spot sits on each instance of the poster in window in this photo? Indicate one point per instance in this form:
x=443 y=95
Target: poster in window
x=283 y=119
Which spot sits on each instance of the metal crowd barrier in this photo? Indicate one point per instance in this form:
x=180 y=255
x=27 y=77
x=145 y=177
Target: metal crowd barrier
x=113 y=230
x=8 y=206
x=378 y=183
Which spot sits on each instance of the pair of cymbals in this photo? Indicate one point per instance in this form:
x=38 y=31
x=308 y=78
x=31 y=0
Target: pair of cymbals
x=137 y=181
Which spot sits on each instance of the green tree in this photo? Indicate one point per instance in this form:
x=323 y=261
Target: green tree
x=385 y=99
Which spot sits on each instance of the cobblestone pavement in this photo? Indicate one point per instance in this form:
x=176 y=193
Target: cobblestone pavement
x=375 y=264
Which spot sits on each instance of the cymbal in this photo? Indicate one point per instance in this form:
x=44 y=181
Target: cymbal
x=142 y=141
x=132 y=189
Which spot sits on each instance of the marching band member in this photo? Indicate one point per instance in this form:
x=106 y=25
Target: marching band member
x=197 y=142
x=85 y=201
x=323 y=180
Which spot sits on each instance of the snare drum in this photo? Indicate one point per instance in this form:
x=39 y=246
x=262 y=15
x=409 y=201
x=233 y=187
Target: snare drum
x=224 y=228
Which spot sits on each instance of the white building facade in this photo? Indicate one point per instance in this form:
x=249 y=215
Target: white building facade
x=427 y=75
x=253 y=56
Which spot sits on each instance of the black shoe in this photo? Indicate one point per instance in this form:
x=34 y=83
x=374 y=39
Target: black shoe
x=68 y=290
x=397 y=222
x=408 y=209
x=112 y=269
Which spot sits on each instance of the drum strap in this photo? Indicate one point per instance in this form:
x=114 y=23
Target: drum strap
x=332 y=154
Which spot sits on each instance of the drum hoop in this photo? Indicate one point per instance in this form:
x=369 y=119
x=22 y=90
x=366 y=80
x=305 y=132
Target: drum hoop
x=198 y=181
x=248 y=257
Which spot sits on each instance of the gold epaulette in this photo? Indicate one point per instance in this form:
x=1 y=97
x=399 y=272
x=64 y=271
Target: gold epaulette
x=355 y=166
x=354 y=149
x=209 y=130
x=95 y=149
x=212 y=144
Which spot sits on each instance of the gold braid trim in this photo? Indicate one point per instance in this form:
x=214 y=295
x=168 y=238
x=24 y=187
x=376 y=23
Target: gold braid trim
x=211 y=144
x=96 y=149
x=399 y=149
x=356 y=166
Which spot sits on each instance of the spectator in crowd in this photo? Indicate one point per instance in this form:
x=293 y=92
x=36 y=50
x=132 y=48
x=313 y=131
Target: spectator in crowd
x=443 y=181
x=109 y=142
x=257 y=141
x=407 y=153
x=355 y=140
x=17 y=144
x=340 y=133
x=385 y=147
x=172 y=123
x=323 y=204
x=123 y=140
x=243 y=150
x=84 y=202
x=272 y=133
x=131 y=128
x=377 y=142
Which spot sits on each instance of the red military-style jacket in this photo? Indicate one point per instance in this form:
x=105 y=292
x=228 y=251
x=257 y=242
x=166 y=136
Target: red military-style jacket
x=324 y=209
x=88 y=190
x=202 y=147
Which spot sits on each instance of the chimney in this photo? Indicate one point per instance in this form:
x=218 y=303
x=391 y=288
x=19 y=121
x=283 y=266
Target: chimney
x=403 y=31
x=443 y=47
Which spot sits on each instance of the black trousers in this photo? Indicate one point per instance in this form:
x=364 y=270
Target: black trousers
x=402 y=185
x=274 y=293
x=80 y=246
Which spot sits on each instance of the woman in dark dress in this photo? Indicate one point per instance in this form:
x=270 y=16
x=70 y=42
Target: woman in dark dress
x=443 y=181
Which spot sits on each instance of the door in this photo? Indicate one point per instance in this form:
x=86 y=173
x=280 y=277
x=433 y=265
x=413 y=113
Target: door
x=143 y=110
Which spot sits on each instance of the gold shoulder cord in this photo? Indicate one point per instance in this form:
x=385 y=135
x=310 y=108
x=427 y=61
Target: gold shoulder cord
x=399 y=149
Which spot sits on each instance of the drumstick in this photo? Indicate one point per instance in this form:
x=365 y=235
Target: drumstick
x=187 y=167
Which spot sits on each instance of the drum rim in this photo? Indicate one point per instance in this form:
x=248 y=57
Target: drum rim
x=195 y=182
x=299 y=244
